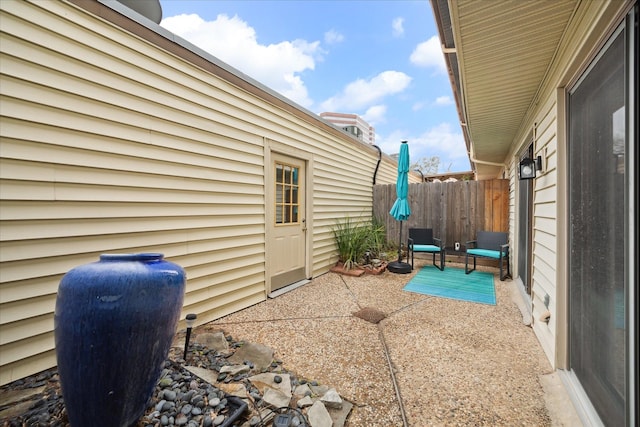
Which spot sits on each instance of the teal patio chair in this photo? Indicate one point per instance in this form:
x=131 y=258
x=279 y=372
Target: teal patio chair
x=422 y=240
x=489 y=244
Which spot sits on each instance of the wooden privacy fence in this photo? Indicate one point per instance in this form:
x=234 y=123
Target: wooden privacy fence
x=454 y=210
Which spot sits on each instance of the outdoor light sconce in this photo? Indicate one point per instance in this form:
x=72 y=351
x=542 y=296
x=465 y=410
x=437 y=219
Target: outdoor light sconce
x=528 y=167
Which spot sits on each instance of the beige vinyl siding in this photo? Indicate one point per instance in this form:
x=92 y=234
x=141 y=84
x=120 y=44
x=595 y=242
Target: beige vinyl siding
x=110 y=143
x=544 y=219
x=544 y=226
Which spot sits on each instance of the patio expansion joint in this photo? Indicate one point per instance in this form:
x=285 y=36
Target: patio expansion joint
x=408 y=306
x=396 y=386
x=285 y=319
x=353 y=295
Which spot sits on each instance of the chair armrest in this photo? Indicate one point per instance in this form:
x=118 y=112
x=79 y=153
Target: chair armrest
x=504 y=248
x=410 y=242
x=438 y=242
x=470 y=242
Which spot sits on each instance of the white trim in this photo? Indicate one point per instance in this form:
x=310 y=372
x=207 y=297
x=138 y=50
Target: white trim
x=587 y=413
x=288 y=288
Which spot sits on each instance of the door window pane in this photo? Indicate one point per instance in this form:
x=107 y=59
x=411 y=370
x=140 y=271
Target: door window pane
x=286 y=199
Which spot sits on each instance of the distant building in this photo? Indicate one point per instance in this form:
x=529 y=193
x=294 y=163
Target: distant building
x=353 y=124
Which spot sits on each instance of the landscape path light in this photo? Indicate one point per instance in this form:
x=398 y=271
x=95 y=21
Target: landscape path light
x=191 y=319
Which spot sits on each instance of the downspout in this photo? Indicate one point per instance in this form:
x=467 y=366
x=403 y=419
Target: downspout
x=375 y=172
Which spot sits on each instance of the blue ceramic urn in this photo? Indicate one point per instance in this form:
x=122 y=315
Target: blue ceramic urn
x=114 y=323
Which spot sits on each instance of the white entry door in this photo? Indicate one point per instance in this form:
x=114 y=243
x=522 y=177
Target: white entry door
x=287 y=247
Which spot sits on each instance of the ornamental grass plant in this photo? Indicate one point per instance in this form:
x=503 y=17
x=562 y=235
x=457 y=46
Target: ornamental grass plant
x=357 y=237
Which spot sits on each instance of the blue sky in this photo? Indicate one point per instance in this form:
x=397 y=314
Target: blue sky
x=378 y=59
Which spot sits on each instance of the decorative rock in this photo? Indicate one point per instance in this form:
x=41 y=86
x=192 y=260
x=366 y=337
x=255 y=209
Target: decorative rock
x=160 y=405
x=181 y=420
x=319 y=390
x=19 y=395
x=215 y=341
x=319 y=416
x=260 y=355
x=276 y=398
x=304 y=402
x=302 y=390
x=236 y=389
x=206 y=374
x=331 y=399
x=188 y=395
x=268 y=380
x=234 y=369
x=165 y=382
x=339 y=416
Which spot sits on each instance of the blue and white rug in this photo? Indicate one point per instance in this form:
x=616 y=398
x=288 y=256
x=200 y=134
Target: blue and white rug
x=452 y=283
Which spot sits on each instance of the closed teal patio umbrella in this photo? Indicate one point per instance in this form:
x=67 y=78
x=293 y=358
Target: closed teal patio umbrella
x=400 y=209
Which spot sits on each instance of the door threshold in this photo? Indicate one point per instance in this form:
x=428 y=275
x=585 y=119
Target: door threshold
x=288 y=288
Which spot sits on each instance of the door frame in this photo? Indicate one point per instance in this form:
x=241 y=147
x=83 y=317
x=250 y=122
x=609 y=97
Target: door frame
x=274 y=147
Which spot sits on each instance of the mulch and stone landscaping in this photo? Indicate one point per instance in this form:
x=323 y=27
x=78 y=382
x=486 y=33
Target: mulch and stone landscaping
x=211 y=388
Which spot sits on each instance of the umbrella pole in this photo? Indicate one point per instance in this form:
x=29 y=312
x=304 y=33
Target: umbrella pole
x=400 y=244
x=399 y=266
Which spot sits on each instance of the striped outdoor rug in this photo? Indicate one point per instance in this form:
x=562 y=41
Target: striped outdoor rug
x=452 y=283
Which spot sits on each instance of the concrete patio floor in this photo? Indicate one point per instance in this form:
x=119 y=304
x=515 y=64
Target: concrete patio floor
x=430 y=362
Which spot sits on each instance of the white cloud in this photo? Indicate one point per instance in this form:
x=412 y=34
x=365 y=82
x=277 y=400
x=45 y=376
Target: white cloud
x=333 y=37
x=444 y=100
x=362 y=93
x=397 y=26
x=441 y=141
x=443 y=138
x=428 y=54
x=278 y=66
x=375 y=114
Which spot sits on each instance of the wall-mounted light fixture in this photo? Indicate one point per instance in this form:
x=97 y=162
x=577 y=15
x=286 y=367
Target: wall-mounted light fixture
x=528 y=167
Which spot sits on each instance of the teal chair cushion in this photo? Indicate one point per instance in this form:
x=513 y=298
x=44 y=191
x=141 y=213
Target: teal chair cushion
x=485 y=253
x=426 y=248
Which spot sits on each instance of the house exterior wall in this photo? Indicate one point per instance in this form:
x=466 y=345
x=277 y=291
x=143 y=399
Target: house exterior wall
x=112 y=143
x=588 y=30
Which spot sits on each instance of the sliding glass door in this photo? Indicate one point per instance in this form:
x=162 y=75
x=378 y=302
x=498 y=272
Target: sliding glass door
x=599 y=235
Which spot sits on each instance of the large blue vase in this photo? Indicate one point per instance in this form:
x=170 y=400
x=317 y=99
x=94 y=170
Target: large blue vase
x=115 y=320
